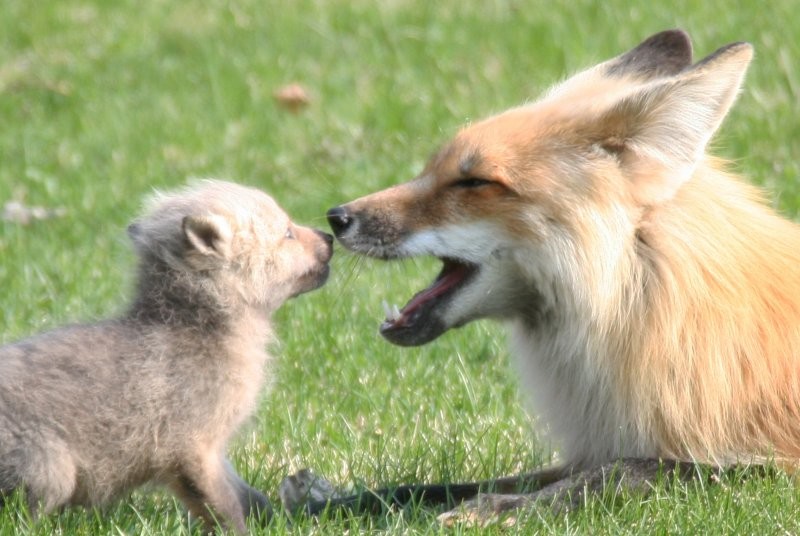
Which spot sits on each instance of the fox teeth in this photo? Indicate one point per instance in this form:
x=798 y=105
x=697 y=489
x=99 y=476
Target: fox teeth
x=392 y=313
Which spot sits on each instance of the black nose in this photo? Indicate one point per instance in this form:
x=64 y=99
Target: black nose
x=339 y=220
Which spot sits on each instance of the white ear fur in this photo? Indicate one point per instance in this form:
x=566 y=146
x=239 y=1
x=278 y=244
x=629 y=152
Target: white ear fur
x=660 y=130
x=208 y=235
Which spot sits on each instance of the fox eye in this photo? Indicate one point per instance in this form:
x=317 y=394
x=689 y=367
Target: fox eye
x=471 y=182
x=289 y=233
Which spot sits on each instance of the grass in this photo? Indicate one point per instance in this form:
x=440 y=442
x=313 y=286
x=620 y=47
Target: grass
x=103 y=101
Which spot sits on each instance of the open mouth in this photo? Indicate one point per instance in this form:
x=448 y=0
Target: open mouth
x=416 y=323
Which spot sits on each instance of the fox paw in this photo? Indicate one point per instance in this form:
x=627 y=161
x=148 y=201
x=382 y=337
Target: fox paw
x=299 y=489
x=487 y=509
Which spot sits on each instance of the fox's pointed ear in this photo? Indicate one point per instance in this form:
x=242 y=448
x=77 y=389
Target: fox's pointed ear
x=660 y=130
x=208 y=235
x=663 y=54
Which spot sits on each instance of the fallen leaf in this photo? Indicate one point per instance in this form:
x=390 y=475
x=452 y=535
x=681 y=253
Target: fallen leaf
x=292 y=97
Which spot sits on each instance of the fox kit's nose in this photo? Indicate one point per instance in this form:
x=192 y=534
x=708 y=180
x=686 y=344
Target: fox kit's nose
x=326 y=237
x=339 y=220
x=328 y=240
x=324 y=252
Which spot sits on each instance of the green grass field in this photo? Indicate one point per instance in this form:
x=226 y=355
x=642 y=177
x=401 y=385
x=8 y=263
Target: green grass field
x=101 y=102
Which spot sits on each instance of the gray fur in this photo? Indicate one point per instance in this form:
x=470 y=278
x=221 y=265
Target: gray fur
x=89 y=412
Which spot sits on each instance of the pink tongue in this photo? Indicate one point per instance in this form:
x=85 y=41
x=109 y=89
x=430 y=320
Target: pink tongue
x=452 y=274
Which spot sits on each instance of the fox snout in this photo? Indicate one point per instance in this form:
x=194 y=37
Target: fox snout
x=363 y=231
x=314 y=267
x=322 y=247
x=339 y=218
x=370 y=227
x=325 y=252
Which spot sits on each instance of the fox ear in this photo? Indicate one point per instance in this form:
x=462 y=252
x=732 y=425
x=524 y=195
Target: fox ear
x=660 y=130
x=208 y=235
x=663 y=54
x=134 y=231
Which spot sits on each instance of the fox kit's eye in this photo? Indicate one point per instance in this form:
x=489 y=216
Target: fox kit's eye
x=471 y=182
x=289 y=233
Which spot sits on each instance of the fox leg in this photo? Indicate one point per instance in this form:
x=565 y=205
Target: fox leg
x=559 y=487
x=632 y=474
x=252 y=501
x=208 y=491
x=47 y=474
x=373 y=501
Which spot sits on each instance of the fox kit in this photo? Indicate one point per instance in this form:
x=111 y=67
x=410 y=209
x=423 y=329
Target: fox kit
x=653 y=297
x=89 y=412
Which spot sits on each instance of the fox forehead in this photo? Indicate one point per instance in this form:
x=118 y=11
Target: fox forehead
x=522 y=149
x=559 y=118
x=470 y=155
x=542 y=156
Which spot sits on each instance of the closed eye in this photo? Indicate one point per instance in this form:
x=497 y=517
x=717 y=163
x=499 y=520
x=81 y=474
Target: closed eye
x=471 y=182
x=289 y=234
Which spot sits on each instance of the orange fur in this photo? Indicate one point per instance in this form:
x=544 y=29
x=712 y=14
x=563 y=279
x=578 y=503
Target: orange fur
x=654 y=298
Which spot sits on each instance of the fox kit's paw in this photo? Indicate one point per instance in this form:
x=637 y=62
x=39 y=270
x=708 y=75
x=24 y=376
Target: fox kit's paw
x=303 y=487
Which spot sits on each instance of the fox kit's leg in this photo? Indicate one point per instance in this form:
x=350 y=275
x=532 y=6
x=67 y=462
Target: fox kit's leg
x=9 y=481
x=8 y=484
x=212 y=491
x=205 y=489
x=253 y=502
x=46 y=472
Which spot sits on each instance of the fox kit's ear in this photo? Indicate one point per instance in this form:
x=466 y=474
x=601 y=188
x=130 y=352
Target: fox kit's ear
x=208 y=235
x=660 y=130
x=136 y=234
x=134 y=231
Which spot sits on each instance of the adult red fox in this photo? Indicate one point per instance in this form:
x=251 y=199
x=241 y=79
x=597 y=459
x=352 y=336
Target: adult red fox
x=653 y=297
